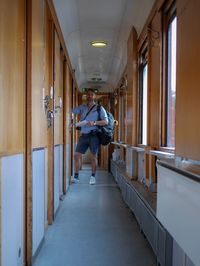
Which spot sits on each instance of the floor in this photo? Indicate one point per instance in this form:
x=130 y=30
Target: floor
x=94 y=227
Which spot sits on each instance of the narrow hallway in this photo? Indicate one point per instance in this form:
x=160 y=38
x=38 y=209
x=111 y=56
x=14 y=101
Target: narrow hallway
x=93 y=227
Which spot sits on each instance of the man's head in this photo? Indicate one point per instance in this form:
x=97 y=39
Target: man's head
x=91 y=96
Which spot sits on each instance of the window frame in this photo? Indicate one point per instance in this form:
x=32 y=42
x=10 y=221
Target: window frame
x=169 y=13
x=143 y=62
x=122 y=110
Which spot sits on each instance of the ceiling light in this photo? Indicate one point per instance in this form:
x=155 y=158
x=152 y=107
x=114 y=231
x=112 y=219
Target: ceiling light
x=98 y=43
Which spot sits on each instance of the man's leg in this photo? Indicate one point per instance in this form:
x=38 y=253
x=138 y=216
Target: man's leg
x=94 y=163
x=80 y=149
x=94 y=168
x=77 y=161
x=77 y=164
x=94 y=147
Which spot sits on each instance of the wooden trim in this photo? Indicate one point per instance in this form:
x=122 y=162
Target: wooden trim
x=64 y=124
x=1 y=213
x=38 y=149
x=61 y=38
x=28 y=142
x=148 y=89
x=50 y=131
x=10 y=153
x=167 y=12
x=156 y=8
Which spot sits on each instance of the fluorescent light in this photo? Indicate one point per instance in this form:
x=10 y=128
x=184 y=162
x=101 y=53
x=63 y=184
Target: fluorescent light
x=98 y=43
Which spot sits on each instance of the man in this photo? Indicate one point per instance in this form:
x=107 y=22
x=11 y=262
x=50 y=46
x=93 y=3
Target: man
x=88 y=139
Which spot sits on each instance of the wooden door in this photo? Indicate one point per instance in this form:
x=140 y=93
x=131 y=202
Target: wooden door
x=67 y=131
x=12 y=131
x=49 y=109
x=58 y=121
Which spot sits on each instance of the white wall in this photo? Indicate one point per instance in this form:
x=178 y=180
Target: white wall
x=67 y=165
x=57 y=175
x=61 y=171
x=38 y=166
x=178 y=209
x=12 y=210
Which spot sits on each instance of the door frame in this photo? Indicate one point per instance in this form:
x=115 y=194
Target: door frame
x=28 y=137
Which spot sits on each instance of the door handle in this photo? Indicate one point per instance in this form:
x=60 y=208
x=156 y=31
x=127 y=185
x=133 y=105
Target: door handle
x=50 y=116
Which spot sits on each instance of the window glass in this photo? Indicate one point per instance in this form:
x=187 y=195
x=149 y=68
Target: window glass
x=144 y=106
x=171 y=84
x=143 y=98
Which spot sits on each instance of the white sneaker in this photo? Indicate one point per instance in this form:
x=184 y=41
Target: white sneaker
x=75 y=180
x=92 y=180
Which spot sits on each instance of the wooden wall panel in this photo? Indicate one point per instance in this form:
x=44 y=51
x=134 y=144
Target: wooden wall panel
x=39 y=124
x=154 y=81
x=104 y=149
x=68 y=114
x=132 y=81
x=58 y=91
x=12 y=76
x=188 y=80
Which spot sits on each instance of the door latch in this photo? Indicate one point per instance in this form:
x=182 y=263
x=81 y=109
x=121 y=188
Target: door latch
x=50 y=116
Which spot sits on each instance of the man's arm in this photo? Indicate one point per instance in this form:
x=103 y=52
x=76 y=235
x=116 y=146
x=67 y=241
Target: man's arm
x=97 y=123
x=103 y=117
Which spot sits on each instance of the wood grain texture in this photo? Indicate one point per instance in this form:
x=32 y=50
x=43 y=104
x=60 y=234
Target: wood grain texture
x=49 y=40
x=28 y=118
x=68 y=117
x=12 y=78
x=39 y=124
x=132 y=93
x=187 y=141
x=65 y=159
x=154 y=69
x=58 y=91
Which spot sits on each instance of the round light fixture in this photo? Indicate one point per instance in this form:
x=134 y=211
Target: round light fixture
x=98 y=43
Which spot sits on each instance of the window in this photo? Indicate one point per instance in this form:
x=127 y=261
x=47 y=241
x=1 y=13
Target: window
x=169 y=78
x=122 y=116
x=143 y=94
x=171 y=85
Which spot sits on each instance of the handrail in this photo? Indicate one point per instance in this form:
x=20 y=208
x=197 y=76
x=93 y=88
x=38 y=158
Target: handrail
x=162 y=154
x=127 y=146
x=193 y=176
x=120 y=144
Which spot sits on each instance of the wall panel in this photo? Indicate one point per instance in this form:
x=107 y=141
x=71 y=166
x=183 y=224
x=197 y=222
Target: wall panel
x=155 y=73
x=132 y=77
x=57 y=173
x=38 y=198
x=12 y=210
x=68 y=117
x=58 y=91
x=38 y=75
x=188 y=80
x=12 y=76
x=179 y=195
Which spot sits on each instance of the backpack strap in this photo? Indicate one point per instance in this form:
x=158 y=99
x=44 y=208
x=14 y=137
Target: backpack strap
x=88 y=112
x=99 y=111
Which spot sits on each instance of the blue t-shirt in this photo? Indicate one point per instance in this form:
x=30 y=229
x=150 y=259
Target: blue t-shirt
x=92 y=116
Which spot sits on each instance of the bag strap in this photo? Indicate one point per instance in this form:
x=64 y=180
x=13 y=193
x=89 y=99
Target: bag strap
x=99 y=111
x=88 y=112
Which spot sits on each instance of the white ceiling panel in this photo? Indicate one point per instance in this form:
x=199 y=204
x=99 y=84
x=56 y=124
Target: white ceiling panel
x=101 y=13
x=83 y=21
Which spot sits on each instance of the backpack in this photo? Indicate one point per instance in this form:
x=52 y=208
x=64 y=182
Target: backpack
x=105 y=133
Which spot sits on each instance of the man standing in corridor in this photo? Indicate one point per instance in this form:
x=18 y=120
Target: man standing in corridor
x=89 y=121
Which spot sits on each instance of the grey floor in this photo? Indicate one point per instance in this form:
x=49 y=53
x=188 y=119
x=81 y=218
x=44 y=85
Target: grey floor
x=93 y=227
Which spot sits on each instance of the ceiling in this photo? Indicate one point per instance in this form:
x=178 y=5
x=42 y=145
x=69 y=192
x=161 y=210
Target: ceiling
x=83 y=21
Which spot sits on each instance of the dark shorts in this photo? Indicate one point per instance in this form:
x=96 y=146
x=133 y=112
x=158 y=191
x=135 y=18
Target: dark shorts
x=86 y=141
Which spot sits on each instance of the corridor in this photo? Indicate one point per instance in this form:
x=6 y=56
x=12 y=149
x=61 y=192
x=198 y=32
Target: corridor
x=94 y=227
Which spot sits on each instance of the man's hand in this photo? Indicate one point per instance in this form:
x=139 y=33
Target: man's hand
x=91 y=123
